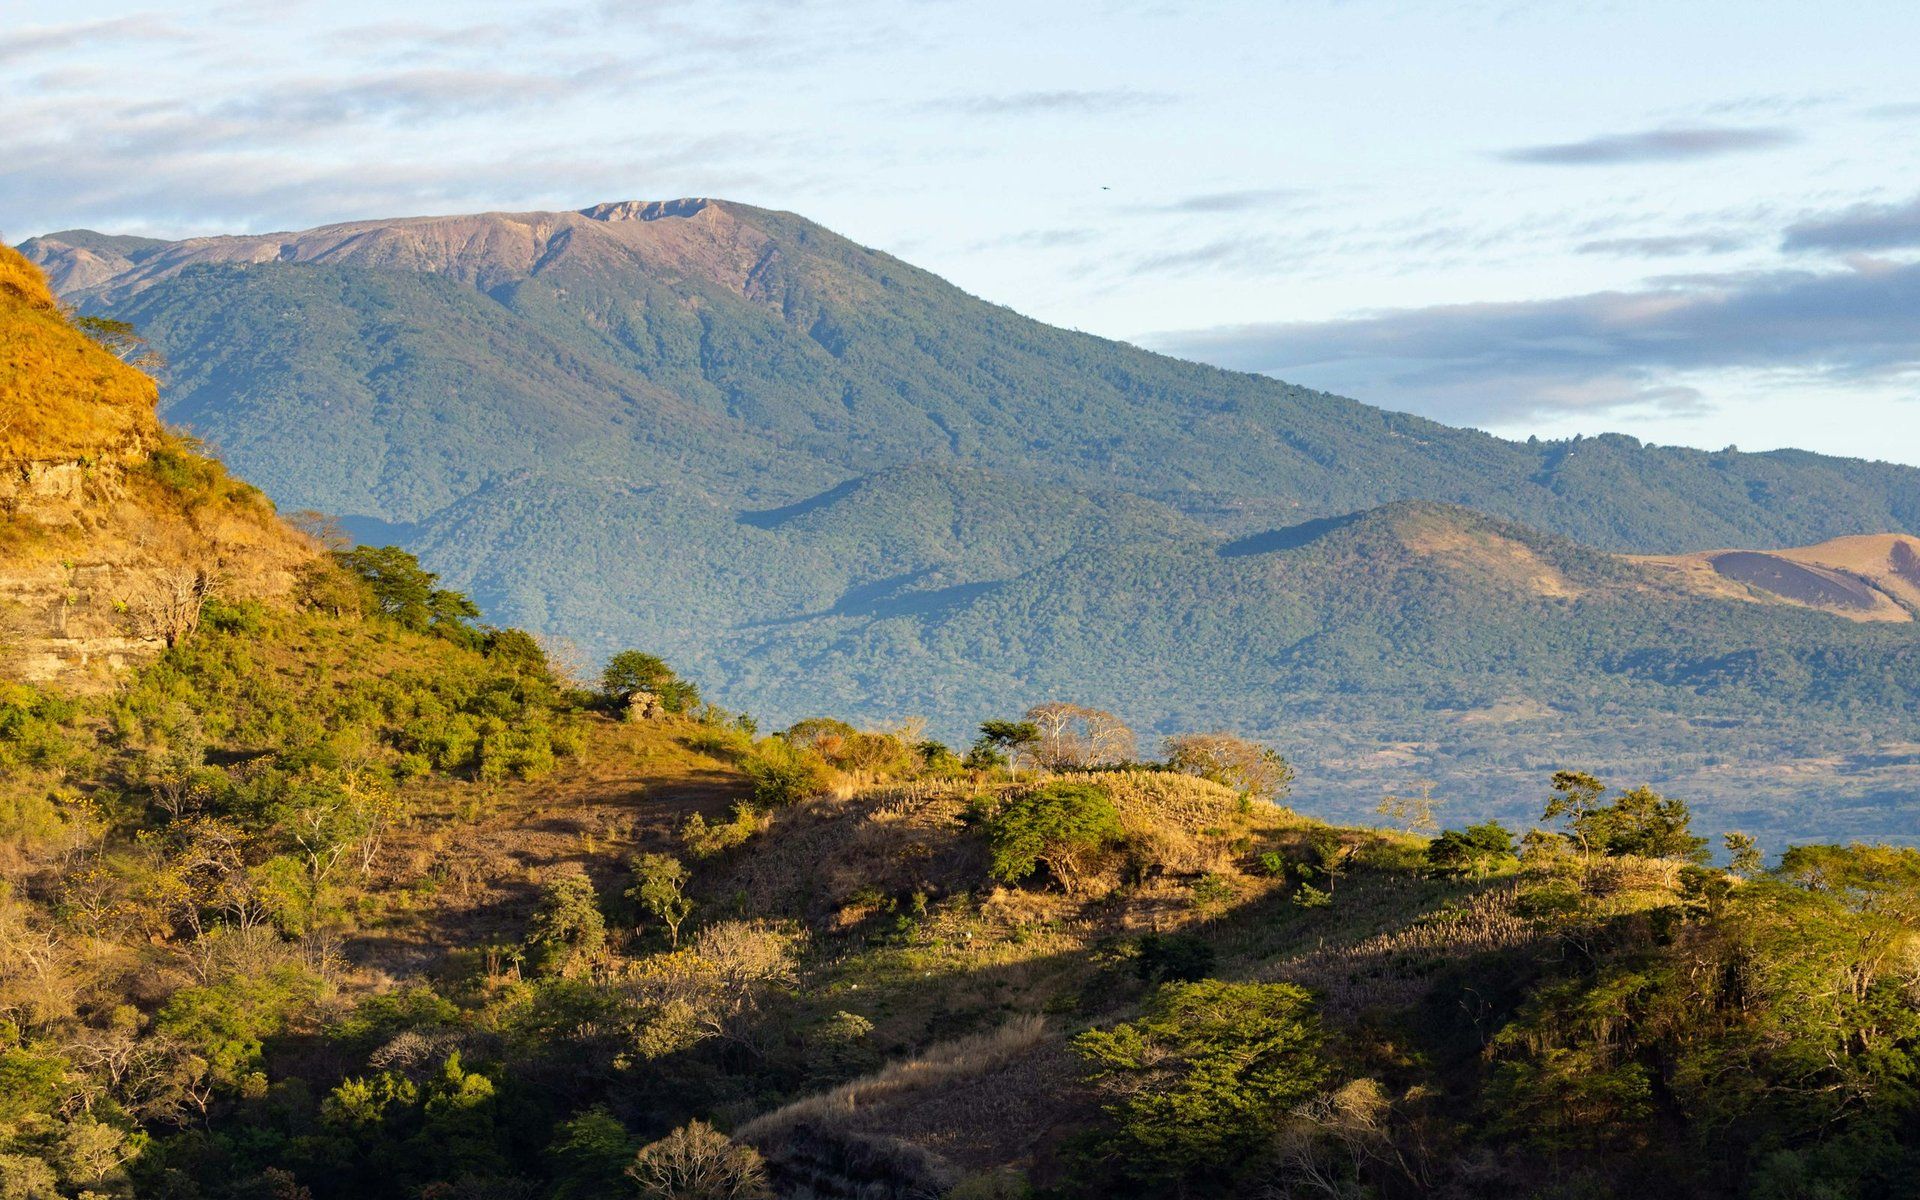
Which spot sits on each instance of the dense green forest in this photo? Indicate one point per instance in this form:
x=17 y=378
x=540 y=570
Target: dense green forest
x=801 y=469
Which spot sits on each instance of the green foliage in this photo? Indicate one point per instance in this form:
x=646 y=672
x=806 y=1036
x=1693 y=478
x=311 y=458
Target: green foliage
x=1198 y=1082
x=632 y=671
x=404 y=591
x=1002 y=742
x=568 y=932
x=1476 y=850
x=1770 y=1024
x=590 y=1150
x=1062 y=826
x=1640 y=822
x=783 y=773
x=659 y=889
x=228 y=1023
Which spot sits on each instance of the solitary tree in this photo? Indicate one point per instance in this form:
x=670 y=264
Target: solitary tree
x=659 y=887
x=1255 y=771
x=1008 y=740
x=568 y=931
x=631 y=672
x=1062 y=827
x=1743 y=854
x=1475 y=850
x=698 y=1162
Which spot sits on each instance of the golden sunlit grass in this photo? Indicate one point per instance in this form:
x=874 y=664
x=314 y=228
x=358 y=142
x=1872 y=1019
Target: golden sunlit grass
x=65 y=396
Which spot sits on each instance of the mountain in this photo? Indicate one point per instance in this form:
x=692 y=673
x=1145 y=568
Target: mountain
x=824 y=480
x=668 y=338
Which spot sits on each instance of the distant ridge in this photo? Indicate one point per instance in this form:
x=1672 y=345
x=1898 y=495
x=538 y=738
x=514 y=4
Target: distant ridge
x=823 y=479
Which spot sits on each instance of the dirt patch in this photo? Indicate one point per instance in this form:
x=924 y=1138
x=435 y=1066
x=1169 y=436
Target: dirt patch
x=1906 y=563
x=1792 y=581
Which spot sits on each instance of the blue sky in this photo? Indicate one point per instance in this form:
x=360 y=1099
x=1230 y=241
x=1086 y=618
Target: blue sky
x=1694 y=221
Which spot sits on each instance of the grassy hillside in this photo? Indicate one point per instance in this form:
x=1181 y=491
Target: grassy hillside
x=66 y=397
x=323 y=905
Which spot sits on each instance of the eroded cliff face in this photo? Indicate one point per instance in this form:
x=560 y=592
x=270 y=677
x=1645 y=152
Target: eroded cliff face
x=114 y=534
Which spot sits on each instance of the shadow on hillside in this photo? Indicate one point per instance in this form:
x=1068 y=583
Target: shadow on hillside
x=773 y=518
x=1290 y=538
x=890 y=597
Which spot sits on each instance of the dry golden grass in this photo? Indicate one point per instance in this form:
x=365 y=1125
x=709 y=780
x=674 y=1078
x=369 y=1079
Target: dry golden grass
x=862 y=1102
x=62 y=396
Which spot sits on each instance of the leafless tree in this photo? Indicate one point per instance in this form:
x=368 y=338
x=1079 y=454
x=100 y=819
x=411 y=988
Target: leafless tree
x=168 y=604
x=1247 y=767
x=698 y=1162
x=1073 y=735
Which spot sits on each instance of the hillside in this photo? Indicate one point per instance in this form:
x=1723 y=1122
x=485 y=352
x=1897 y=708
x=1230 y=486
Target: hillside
x=1412 y=642
x=113 y=531
x=601 y=331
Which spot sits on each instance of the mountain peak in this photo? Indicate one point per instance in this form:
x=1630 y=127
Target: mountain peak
x=646 y=210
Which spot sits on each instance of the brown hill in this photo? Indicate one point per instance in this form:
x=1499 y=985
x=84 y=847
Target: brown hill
x=114 y=532
x=1869 y=577
x=706 y=240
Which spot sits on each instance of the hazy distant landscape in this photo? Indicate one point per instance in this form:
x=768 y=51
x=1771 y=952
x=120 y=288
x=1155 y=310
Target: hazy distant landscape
x=817 y=477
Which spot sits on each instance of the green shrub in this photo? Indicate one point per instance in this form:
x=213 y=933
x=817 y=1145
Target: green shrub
x=1062 y=826
x=1198 y=1082
x=783 y=773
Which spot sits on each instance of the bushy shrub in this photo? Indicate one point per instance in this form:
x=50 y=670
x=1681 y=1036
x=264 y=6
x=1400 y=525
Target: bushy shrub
x=1196 y=1084
x=783 y=773
x=1062 y=826
x=568 y=933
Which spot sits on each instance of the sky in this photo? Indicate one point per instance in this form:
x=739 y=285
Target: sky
x=1694 y=221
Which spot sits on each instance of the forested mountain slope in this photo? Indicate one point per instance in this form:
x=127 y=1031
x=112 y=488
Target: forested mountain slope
x=601 y=332
x=803 y=468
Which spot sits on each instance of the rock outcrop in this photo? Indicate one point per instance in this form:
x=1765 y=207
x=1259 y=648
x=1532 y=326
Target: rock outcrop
x=114 y=534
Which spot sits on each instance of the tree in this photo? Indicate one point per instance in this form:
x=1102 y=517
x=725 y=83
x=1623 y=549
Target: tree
x=1743 y=854
x=698 y=1162
x=783 y=773
x=1005 y=741
x=568 y=931
x=406 y=593
x=123 y=341
x=1475 y=850
x=1641 y=822
x=1255 y=771
x=1331 y=850
x=1073 y=735
x=591 y=1151
x=659 y=887
x=1576 y=801
x=1412 y=813
x=631 y=672
x=1196 y=1085
x=1645 y=823
x=1061 y=826
x=167 y=603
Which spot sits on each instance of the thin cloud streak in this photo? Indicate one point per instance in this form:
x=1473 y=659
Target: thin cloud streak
x=1653 y=145
x=1071 y=102
x=1670 y=246
x=1601 y=352
x=1860 y=228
